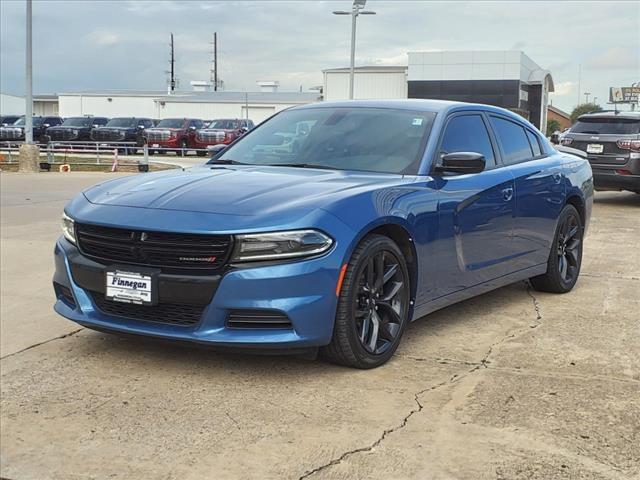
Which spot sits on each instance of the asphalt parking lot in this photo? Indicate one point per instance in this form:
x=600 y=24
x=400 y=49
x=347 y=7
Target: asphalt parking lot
x=514 y=384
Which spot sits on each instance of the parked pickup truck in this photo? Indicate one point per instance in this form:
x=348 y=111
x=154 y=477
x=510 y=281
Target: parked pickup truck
x=16 y=130
x=75 y=129
x=224 y=130
x=123 y=129
x=6 y=120
x=177 y=134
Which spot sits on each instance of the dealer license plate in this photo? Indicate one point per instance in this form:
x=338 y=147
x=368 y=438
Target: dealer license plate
x=129 y=287
x=595 y=148
x=155 y=145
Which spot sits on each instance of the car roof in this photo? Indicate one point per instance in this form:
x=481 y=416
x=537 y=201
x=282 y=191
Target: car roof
x=415 y=104
x=612 y=114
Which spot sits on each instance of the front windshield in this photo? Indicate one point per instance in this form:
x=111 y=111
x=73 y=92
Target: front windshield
x=171 y=123
x=77 y=122
x=122 y=122
x=36 y=121
x=223 y=124
x=343 y=138
x=607 y=126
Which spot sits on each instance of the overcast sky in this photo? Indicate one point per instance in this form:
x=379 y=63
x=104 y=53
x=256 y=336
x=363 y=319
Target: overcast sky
x=124 y=44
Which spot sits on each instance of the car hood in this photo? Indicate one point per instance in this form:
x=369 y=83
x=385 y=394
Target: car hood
x=245 y=191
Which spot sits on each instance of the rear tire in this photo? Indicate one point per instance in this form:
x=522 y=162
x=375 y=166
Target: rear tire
x=565 y=258
x=373 y=306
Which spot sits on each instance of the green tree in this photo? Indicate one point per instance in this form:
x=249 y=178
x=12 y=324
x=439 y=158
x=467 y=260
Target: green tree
x=582 y=109
x=552 y=126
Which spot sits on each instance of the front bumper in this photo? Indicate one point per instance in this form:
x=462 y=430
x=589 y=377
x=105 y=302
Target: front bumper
x=174 y=142
x=304 y=291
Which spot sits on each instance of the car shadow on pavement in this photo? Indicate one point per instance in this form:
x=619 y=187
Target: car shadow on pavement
x=446 y=323
x=617 y=198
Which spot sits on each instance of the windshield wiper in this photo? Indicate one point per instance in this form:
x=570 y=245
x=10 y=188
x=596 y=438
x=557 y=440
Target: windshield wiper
x=225 y=161
x=300 y=165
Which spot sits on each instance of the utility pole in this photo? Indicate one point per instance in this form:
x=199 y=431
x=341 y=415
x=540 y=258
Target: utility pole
x=29 y=157
x=356 y=10
x=172 y=73
x=215 y=61
x=28 y=121
x=586 y=97
x=579 y=80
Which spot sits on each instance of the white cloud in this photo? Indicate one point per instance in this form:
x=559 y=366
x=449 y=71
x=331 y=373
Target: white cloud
x=103 y=38
x=563 y=88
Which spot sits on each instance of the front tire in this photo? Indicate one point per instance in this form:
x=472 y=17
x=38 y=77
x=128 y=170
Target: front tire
x=565 y=258
x=373 y=306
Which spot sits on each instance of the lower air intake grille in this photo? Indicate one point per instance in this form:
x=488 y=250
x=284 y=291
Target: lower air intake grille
x=258 y=319
x=171 y=313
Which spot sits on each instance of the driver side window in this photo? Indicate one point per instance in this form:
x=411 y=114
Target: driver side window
x=468 y=133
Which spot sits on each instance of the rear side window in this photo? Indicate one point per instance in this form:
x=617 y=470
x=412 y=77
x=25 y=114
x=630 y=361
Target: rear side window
x=535 y=144
x=468 y=133
x=607 y=126
x=513 y=140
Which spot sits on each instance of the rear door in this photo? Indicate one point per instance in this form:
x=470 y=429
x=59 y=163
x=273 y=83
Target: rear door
x=475 y=210
x=539 y=190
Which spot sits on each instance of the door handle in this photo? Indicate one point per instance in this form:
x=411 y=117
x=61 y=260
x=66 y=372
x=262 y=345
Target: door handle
x=507 y=194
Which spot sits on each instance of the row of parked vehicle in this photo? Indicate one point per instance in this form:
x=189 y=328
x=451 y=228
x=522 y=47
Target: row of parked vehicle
x=178 y=134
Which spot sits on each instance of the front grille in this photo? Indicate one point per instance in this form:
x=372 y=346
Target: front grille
x=100 y=135
x=11 y=134
x=157 y=249
x=62 y=134
x=158 y=135
x=258 y=319
x=181 y=314
x=210 y=136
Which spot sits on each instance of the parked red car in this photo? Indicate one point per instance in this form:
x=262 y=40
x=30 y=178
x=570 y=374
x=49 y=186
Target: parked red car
x=223 y=130
x=173 y=133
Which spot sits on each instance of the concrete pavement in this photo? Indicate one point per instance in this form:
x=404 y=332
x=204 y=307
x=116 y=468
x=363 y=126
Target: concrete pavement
x=514 y=384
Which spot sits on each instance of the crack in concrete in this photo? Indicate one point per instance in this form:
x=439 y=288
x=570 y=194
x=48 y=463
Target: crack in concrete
x=618 y=277
x=483 y=363
x=42 y=343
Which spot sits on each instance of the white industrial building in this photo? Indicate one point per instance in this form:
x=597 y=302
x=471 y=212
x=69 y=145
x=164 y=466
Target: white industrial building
x=205 y=105
x=369 y=82
x=505 y=78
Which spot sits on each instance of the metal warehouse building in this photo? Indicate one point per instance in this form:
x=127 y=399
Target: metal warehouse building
x=505 y=78
x=204 y=105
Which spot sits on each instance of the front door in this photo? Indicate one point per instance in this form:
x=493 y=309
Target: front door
x=475 y=211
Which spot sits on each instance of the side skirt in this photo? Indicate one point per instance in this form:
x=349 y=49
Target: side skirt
x=455 y=297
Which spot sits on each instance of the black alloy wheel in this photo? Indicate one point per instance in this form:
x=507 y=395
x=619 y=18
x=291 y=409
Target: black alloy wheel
x=565 y=258
x=378 y=304
x=373 y=306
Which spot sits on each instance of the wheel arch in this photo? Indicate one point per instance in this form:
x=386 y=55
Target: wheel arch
x=577 y=202
x=397 y=230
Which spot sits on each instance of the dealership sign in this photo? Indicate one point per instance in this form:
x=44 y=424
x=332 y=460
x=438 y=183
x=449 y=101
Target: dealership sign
x=624 y=94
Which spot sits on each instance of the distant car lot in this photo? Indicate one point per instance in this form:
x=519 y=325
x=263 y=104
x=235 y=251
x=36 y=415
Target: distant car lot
x=513 y=385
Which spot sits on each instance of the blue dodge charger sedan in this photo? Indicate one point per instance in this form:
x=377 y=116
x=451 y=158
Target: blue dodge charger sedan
x=328 y=227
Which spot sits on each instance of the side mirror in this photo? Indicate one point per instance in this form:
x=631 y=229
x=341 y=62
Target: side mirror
x=140 y=127
x=214 y=150
x=46 y=125
x=192 y=128
x=462 y=162
x=95 y=125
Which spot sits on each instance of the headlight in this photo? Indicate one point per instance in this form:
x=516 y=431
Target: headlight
x=279 y=245
x=75 y=132
x=68 y=228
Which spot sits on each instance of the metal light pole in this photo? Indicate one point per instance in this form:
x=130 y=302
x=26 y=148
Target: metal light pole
x=586 y=97
x=356 y=9
x=28 y=121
